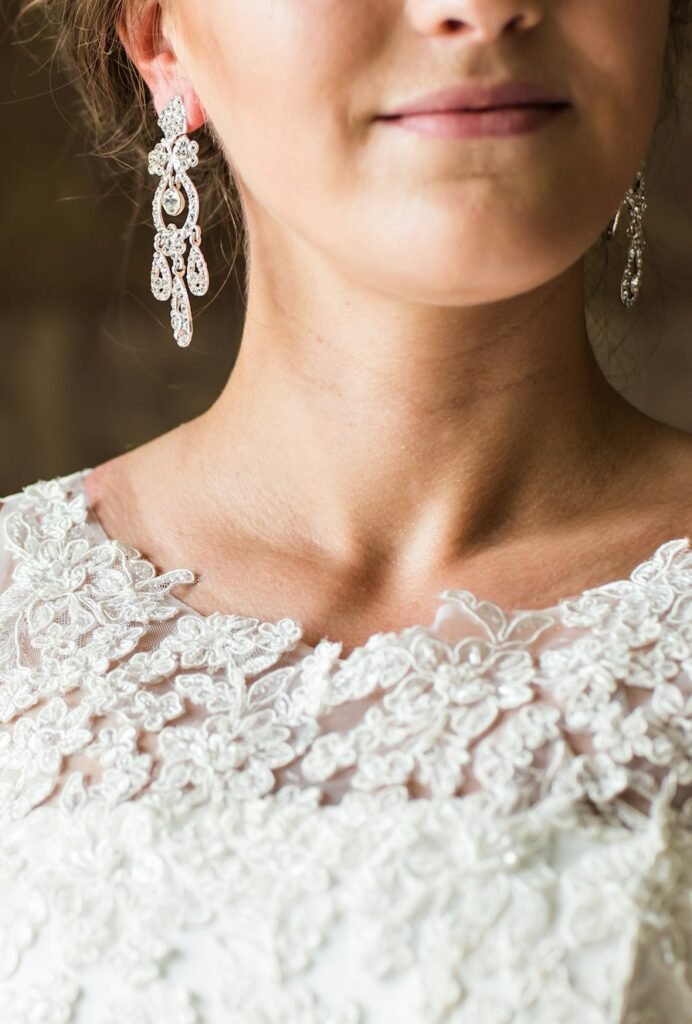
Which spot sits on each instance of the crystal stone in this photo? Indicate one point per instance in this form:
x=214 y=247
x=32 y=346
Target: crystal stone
x=173 y=119
x=158 y=158
x=173 y=202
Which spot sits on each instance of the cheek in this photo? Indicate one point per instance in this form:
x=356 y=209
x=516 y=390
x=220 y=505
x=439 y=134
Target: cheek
x=618 y=48
x=614 y=55
x=278 y=79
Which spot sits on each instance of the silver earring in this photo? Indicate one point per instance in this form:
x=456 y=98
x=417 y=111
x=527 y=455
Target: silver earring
x=170 y=160
x=635 y=201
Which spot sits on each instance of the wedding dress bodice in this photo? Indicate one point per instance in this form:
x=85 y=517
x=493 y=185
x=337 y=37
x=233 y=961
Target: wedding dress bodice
x=205 y=820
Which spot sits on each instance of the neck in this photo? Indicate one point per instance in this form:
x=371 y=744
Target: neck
x=372 y=429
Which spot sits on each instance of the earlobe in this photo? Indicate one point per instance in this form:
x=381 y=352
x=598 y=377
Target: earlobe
x=153 y=53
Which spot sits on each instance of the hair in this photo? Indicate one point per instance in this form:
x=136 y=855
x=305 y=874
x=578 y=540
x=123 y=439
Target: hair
x=119 y=114
x=676 y=51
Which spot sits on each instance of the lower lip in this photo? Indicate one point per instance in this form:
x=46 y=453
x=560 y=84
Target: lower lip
x=462 y=124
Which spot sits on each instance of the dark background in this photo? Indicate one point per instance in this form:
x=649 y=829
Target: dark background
x=88 y=366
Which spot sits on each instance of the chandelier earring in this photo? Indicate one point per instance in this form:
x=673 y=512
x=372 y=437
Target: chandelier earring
x=174 y=270
x=635 y=202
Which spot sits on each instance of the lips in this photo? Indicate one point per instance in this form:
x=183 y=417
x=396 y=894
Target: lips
x=466 y=97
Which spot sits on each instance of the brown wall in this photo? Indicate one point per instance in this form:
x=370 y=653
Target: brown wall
x=88 y=368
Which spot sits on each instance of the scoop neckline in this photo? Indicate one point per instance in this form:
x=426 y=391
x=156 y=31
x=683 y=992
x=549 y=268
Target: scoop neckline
x=442 y=597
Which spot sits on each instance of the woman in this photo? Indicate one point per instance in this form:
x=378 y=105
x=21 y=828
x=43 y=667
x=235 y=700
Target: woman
x=454 y=785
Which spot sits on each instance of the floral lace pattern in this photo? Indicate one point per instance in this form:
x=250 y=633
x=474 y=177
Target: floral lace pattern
x=486 y=820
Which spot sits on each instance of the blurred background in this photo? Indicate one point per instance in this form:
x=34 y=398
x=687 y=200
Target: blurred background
x=88 y=364
x=88 y=367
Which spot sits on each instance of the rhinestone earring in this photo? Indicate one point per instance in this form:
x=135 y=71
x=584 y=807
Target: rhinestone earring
x=635 y=201
x=171 y=159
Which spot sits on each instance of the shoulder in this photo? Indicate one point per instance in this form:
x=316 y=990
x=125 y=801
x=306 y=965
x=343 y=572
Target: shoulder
x=42 y=510
x=71 y=599
x=37 y=555
x=37 y=529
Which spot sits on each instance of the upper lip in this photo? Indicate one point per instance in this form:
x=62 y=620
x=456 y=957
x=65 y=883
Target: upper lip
x=479 y=96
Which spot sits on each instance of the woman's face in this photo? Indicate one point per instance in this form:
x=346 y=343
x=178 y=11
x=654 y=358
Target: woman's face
x=296 y=88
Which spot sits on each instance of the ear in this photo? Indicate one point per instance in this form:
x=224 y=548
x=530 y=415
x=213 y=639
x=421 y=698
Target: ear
x=150 y=45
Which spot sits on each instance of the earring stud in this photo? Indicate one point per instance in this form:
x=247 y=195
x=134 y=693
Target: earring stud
x=171 y=159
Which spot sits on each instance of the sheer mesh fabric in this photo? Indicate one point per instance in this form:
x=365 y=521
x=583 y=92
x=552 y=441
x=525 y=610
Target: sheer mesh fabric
x=420 y=816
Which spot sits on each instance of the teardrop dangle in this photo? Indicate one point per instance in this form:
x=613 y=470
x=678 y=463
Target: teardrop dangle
x=181 y=313
x=197 y=272
x=161 y=279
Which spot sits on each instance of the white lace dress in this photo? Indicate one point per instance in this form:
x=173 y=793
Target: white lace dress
x=204 y=820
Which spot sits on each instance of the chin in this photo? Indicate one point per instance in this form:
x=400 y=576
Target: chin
x=451 y=281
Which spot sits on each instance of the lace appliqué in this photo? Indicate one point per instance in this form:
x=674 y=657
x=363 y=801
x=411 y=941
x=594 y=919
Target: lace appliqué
x=111 y=686
x=425 y=794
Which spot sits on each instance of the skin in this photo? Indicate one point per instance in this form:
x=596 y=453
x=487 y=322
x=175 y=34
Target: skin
x=416 y=404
